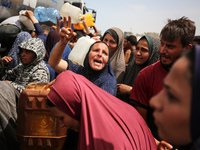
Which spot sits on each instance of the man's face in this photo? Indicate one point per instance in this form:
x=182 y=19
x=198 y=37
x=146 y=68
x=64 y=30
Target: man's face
x=170 y=51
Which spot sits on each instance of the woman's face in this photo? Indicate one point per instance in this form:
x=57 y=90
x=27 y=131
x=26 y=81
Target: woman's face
x=98 y=56
x=27 y=56
x=110 y=41
x=172 y=105
x=142 y=52
x=64 y=120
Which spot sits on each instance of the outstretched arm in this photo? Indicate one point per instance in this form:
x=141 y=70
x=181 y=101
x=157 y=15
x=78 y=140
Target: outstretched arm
x=66 y=35
x=95 y=30
x=87 y=30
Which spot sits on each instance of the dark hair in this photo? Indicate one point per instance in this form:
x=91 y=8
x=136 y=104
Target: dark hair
x=49 y=103
x=45 y=27
x=182 y=28
x=79 y=33
x=197 y=39
x=132 y=39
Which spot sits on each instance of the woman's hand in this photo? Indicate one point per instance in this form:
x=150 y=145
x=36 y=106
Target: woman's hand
x=6 y=60
x=57 y=27
x=163 y=145
x=83 y=19
x=66 y=33
x=31 y=16
x=123 y=89
x=49 y=85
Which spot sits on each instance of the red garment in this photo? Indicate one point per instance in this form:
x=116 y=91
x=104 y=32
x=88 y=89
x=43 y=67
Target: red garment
x=106 y=123
x=148 y=83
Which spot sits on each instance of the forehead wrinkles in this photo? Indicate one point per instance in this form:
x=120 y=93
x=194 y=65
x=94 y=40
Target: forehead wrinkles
x=100 y=46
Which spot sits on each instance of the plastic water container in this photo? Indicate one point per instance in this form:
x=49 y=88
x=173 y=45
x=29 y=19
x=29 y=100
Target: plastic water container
x=75 y=12
x=78 y=53
x=89 y=21
x=43 y=14
x=25 y=20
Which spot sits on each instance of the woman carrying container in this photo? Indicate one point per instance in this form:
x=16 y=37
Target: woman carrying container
x=97 y=66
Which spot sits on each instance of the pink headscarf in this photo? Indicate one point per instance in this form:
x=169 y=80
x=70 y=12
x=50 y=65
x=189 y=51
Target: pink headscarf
x=106 y=123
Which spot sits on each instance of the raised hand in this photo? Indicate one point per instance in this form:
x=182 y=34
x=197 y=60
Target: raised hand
x=59 y=22
x=66 y=33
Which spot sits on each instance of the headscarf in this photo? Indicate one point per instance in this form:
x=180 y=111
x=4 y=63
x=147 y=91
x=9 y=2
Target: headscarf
x=15 y=50
x=195 y=104
x=52 y=38
x=133 y=69
x=106 y=123
x=104 y=78
x=36 y=45
x=117 y=58
x=194 y=56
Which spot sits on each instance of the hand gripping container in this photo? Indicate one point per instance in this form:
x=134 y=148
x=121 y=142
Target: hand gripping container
x=37 y=129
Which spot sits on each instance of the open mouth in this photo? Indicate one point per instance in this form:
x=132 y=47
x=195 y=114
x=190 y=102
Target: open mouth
x=97 y=61
x=164 y=56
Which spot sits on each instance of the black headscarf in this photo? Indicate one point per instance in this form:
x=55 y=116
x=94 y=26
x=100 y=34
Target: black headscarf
x=195 y=104
x=104 y=78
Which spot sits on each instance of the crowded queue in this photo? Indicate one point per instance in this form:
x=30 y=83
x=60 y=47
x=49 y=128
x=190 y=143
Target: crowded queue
x=140 y=95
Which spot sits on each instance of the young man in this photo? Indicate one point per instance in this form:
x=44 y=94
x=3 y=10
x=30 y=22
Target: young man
x=176 y=37
x=131 y=46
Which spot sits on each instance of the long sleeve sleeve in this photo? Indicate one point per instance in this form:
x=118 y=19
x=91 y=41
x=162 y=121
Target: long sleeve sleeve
x=40 y=75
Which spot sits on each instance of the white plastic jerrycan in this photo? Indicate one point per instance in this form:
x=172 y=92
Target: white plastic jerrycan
x=78 y=53
x=75 y=12
x=25 y=20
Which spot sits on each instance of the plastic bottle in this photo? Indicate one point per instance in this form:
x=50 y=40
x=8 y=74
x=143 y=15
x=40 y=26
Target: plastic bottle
x=43 y=14
x=25 y=20
x=77 y=55
x=75 y=12
x=89 y=21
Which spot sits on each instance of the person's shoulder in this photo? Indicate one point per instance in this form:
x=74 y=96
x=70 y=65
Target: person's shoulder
x=152 y=67
x=150 y=72
x=39 y=66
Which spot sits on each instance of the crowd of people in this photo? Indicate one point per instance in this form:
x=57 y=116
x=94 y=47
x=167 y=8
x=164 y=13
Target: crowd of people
x=140 y=94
